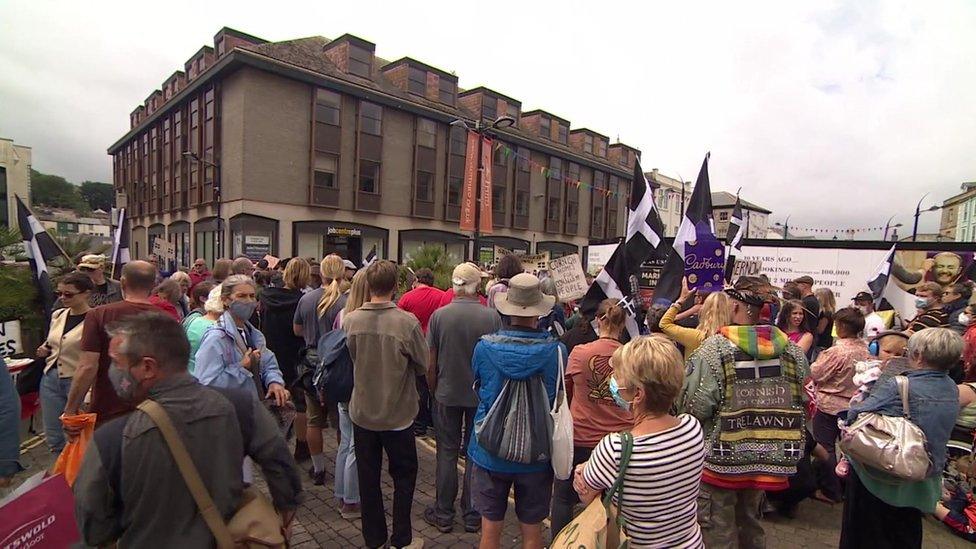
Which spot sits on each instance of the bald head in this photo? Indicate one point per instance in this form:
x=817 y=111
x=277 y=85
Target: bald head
x=138 y=278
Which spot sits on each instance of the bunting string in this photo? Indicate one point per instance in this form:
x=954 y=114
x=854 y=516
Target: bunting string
x=548 y=172
x=837 y=230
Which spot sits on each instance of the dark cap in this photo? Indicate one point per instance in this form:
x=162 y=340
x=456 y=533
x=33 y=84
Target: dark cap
x=863 y=296
x=805 y=279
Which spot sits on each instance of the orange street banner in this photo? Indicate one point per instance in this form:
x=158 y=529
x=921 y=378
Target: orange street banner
x=486 y=185
x=470 y=188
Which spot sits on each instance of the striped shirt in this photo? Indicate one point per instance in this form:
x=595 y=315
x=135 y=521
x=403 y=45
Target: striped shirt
x=660 y=484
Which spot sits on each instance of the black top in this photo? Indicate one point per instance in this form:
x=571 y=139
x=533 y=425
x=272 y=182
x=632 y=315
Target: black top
x=825 y=339
x=73 y=320
x=811 y=312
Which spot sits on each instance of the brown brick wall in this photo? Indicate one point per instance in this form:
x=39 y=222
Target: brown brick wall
x=339 y=54
x=398 y=76
x=471 y=103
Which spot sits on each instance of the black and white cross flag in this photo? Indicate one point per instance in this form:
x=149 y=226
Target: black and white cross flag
x=879 y=281
x=736 y=227
x=120 y=244
x=697 y=220
x=41 y=249
x=370 y=257
x=644 y=236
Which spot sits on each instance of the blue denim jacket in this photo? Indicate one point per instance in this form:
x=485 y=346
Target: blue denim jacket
x=933 y=400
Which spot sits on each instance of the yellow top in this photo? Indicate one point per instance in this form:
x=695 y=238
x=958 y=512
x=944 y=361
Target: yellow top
x=689 y=338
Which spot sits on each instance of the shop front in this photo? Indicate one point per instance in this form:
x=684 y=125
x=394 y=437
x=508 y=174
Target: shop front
x=456 y=245
x=350 y=241
x=205 y=240
x=556 y=249
x=487 y=253
x=179 y=237
x=253 y=236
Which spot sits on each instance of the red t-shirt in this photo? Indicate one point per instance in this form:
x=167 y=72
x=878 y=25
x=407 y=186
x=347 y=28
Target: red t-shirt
x=165 y=306
x=94 y=339
x=448 y=296
x=595 y=414
x=422 y=301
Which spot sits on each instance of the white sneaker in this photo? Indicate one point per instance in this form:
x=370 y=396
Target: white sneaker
x=417 y=543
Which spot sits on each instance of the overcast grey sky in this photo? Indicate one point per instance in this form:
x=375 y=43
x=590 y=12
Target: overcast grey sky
x=836 y=113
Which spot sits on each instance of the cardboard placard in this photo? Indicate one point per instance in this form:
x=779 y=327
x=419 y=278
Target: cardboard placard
x=567 y=273
x=163 y=249
x=535 y=263
x=10 y=343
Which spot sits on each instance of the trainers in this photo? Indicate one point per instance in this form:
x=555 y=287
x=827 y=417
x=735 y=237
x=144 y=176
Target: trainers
x=472 y=528
x=301 y=451
x=417 y=543
x=318 y=477
x=349 y=511
x=430 y=518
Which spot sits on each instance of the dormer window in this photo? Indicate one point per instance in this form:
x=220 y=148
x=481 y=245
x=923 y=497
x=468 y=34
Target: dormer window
x=513 y=111
x=563 y=135
x=545 y=129
x=446 y=90
x=417 y=81
x=601 y=148
x=588 y=143
x=489 y=107
x=360 y=61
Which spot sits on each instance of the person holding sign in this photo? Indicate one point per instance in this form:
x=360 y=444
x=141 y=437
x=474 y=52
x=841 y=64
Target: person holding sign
x=714 y=314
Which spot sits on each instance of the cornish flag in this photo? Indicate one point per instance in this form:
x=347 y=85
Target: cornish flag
x=120 y=244
x=618 y=279
x=41 y=249
x=696 y=224
x=370 y=257
x=879 y=281
x=736 y=227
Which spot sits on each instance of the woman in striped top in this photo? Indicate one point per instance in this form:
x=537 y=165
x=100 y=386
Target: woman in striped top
x=660 y=490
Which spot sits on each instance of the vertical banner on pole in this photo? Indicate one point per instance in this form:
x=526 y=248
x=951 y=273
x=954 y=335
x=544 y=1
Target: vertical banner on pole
x=486 y=186
x=470 y=188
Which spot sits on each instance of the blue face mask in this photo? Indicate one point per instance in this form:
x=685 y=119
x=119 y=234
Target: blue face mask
x=921 y=303
x=615 y=393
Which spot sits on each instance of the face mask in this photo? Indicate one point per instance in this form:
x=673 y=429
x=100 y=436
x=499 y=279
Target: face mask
x=921 y=303
x=242 y=310
x=122 y=381
x=615 y=393
x=864 y=310
x=965 y=319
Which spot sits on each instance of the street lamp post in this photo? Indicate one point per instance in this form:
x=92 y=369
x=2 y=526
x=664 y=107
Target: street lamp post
x=918 y=212
x=888 y=225
x=786 y=228
x=483 y=129
x=218 y=245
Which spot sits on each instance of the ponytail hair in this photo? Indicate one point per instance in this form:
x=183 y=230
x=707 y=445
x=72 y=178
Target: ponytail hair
x=612 y=314
x=332 y=271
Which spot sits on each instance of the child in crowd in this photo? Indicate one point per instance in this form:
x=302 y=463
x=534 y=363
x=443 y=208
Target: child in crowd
x=886 y=346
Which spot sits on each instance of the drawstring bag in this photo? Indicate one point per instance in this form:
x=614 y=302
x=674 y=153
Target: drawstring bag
x=518 y=426
x=562 y=431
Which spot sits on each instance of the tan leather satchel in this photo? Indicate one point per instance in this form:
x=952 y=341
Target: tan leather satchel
x=255 y=524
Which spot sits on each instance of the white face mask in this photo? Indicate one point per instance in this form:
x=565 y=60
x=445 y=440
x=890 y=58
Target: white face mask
x=965 y=319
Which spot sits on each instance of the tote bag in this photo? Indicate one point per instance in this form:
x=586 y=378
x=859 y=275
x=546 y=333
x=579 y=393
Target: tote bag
x=600 y=525
x=562 y=430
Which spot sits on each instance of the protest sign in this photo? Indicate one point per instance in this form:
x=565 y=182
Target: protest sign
x=705 y=264
x=10 y=338
x=567 y=273
x=535 y=263
x=163 y=249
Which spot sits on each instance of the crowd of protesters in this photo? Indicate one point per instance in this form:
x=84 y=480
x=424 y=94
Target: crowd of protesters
x=237 y=356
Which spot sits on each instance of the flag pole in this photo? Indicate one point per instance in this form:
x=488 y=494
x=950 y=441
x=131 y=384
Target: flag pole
x=60 y=249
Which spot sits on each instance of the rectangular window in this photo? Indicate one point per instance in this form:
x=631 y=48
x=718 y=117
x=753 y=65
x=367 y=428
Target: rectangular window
x=624 y=157
x=552 y=214
x=555 y=168
x=425 y=187
x=601 y=148
x=498 y=198
x=328 y=105
x=523 y=159
x=588 y=143
x=544 y=129
x=325 y=171
x=426 y=133
x=370 y=118
x=498 y=156
x=454 y=191
x=360 y=61
x=563 y=133
x=417 y=81
x=446 y=90
x=489 y=107
x=513 y=111
x=521 y=202
x=369 y=176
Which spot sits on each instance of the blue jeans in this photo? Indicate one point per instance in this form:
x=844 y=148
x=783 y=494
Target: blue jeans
x=54 y=396
x=9 y=425
x=346 y=477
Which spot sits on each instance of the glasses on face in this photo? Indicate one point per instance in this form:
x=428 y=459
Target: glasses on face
x=66 y=295
x=85 y=269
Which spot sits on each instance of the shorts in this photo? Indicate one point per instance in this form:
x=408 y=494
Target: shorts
x=490 y=489
x=317 y=415
x=298 y=398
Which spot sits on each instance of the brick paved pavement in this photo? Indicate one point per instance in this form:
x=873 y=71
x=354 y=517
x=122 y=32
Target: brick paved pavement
x=319 y=525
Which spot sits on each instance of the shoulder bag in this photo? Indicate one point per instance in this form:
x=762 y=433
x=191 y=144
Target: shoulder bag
x=601 y=525
x=893 y=445
x=254 y=524
x=562 y=427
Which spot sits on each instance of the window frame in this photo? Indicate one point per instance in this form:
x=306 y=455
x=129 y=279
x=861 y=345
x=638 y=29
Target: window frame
x=365 y=58
x=415 y=86
x=364 y=107
x=376 y=177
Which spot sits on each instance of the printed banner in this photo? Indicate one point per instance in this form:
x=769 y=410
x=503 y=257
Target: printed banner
x=486 y=185
x=469 y=191
x=705 y=263
x=535 y=263
x=567 y=273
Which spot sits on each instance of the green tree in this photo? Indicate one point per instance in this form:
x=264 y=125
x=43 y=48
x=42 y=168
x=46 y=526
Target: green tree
x=75 y=246
x=56 y=192
x=98 y=195
x=435 y=258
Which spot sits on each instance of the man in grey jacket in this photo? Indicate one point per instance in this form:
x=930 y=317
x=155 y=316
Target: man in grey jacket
x=130 y=490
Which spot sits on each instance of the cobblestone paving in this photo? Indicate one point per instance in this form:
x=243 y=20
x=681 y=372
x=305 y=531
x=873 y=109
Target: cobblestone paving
x=318 y=522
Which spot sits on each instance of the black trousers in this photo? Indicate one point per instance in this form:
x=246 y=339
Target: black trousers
x=401 y=452
x=564 y=497
x=826 y=432
x=870 y=522
x=424 y=419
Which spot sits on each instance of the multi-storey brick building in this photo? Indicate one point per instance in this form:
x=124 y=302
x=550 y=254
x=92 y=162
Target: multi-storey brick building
x=309 y=146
